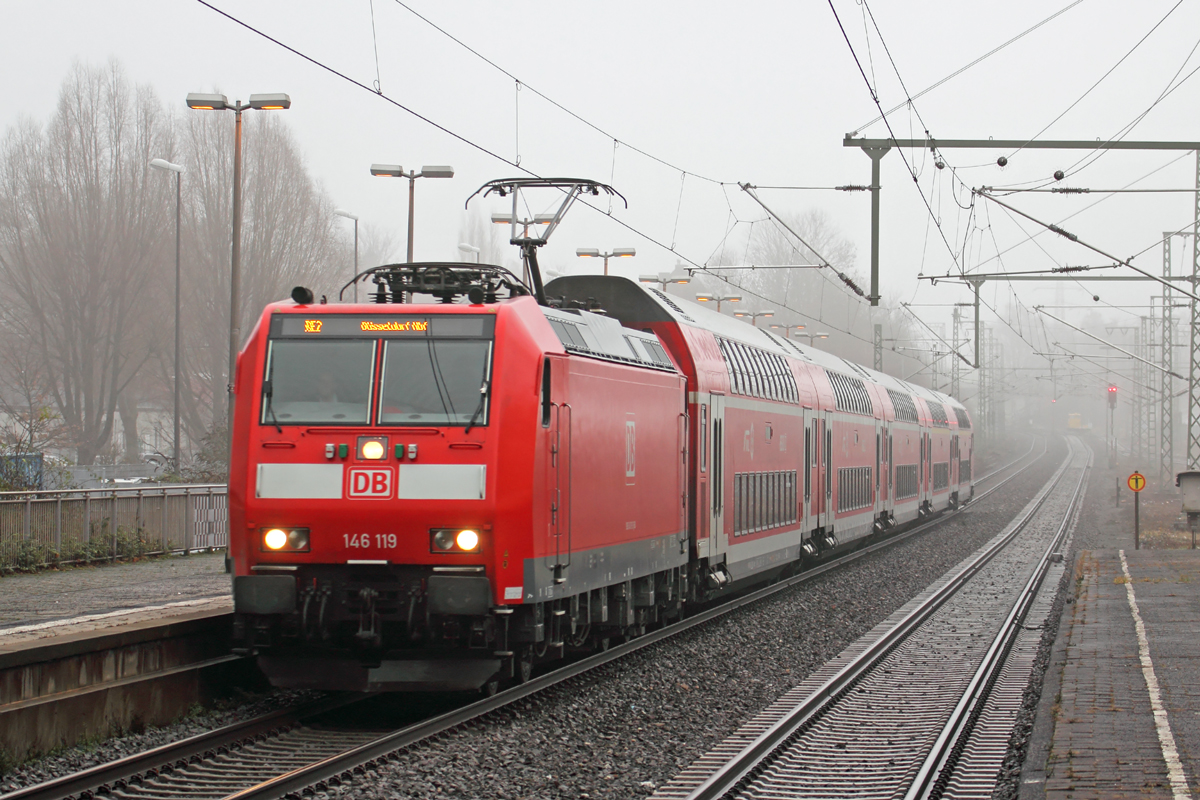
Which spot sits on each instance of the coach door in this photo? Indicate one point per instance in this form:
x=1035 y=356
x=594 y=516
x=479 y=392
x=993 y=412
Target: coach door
x=717 y=542
x=826 y=517
x=556 y=416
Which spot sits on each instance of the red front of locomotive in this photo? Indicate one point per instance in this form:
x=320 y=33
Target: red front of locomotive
x=382 y=481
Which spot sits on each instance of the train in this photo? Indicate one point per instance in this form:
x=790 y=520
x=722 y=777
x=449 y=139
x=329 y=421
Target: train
x=448 y=485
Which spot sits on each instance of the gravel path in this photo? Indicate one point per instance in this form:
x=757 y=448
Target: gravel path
x=624 y=730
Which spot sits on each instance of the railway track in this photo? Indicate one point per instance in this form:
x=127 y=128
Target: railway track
x=289 y=750
x=921 y=707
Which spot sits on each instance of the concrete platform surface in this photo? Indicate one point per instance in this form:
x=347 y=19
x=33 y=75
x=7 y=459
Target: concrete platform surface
x=1125 y=719
x=45 y=604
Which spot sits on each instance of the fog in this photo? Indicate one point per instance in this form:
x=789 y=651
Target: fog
x=674 y=104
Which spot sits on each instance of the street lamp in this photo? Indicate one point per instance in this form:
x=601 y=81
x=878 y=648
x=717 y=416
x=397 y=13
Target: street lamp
x=341 y=212
x=754 y=315
x=663 y=279
x=787 y=329
x=160 y=163
x=396 y=171
x=712 y=297
x=465 y=248
x=617 y=252
x=810 y=336
x=218 y=102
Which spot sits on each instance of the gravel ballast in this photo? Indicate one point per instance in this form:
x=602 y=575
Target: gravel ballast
x=625 y=729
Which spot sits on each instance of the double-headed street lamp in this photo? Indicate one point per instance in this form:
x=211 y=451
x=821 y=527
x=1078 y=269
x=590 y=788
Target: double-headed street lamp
x=787 y=329
x=341 y=212
x=161 y=163
x=713 y=297
x=754 y=315
x=617 y=252
x=664 y=279
x=810 y=336
x=397 y=171
x=218 y=102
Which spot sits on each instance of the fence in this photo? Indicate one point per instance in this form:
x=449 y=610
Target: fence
x=41 y=528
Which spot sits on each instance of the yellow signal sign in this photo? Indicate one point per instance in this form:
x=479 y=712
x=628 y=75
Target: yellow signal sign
x=1137 y=481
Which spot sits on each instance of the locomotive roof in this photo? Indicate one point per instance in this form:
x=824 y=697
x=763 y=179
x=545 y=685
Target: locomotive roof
x=634 y=303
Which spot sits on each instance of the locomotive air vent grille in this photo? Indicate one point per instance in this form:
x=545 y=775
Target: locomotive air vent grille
x=938 y=412
x=657 y=353
x=964 y=422
x=573 y=341
x=666 y=298
x=905 y=408
x=851 y=394
x=757 y=373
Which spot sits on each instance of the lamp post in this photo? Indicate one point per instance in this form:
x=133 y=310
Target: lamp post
x=465 y=249
x=810 y=336
x=754 y=315
x=160 y=163
x=341 y=212
x=617 y=252
x=787 y=329
x=218 y=102
x=396 y=171
x=712 y=297
x=663 y=279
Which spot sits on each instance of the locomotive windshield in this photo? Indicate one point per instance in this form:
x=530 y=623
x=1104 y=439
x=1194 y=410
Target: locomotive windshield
x=435 y=382
x=312 y=382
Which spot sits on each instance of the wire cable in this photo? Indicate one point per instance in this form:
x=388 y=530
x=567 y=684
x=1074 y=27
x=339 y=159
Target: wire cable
x=545 y=97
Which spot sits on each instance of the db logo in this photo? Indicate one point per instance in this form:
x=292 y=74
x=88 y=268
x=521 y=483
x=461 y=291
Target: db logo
x=373 y=482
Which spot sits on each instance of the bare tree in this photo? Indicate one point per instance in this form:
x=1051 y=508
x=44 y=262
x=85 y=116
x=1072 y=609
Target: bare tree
x=815 y=297
x=479 y=231
x=81 y=228
x=289 y=238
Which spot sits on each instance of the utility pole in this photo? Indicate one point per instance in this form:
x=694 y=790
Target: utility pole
x=1149 y=423
x=1166 y=450
x=985 y=405
x=1193 y=417
x=878 y=347
x=955 y=362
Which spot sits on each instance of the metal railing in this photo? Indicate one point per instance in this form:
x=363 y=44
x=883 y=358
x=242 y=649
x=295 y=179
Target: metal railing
x=72 y=525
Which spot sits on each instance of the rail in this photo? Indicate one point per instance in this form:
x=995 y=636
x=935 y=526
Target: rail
x=175 y=757
x=60 y=526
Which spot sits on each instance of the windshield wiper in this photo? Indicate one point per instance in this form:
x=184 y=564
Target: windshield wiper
x=483 y=395
x=268 y=392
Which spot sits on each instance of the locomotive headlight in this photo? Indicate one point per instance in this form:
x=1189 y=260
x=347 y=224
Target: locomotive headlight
x=373 y=450
x=454 y=540
x=275 y=539
x=288 y=540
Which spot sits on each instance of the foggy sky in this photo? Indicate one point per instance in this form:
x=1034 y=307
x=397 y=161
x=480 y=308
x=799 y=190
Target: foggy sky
x=760 y=92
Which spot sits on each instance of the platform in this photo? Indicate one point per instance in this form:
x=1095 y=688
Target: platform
x=77 y=600
x=1120 y=709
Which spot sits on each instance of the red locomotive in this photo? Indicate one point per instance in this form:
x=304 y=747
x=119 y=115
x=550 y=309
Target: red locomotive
x=438 y=495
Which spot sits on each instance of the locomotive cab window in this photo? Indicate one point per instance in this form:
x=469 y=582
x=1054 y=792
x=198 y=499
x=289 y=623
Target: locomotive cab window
x=318 y=383
x=435 y=382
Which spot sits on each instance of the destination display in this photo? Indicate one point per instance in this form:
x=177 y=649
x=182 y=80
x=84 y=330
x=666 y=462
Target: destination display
x=324 y=326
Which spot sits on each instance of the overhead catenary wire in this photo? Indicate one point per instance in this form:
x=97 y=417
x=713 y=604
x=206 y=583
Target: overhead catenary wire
x=1072 y=237
x=892 y=134
x=974 y=63
x=547 y=98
